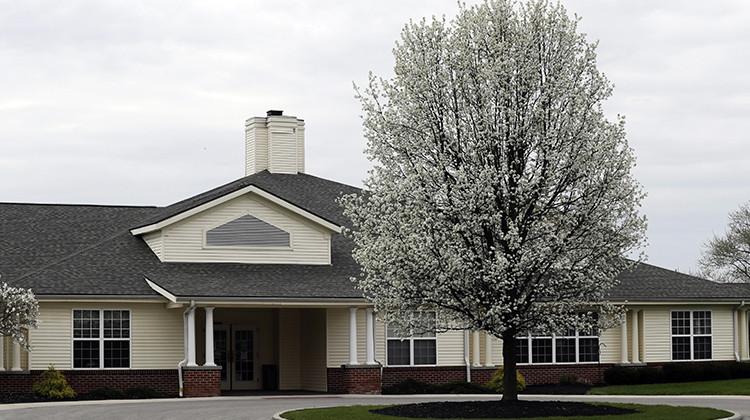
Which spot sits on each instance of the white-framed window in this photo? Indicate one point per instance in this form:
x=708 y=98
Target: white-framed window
x=691 y=335
x=417 y=349
x=573 y=346
x=101 y=339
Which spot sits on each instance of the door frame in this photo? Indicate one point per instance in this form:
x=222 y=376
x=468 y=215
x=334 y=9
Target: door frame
x=231 y=382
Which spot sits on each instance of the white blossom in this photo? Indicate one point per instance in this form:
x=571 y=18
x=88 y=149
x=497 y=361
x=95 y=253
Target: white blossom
x=501 y=196
x=18 y=312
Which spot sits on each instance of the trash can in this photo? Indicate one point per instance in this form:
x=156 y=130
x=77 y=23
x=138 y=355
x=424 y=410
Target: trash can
x=270 y=377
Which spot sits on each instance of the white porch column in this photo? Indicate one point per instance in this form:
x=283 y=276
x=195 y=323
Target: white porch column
x=370 y=334
x=624 y=339
x=353 y=336
x=2 y=353
x=744 y=333
x=191 y=338
x=209 y=336
x=16 y=357
x=488 y=349
x=475 y=349
x=634 y=338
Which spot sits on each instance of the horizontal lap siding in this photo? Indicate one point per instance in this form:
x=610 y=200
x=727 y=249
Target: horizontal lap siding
x=314 y=355
x=52 y=340
x=609 y=345
x=184 y=240
x=450 y=347
x=723 y=332
x=337 y=336
x=154 y=241
x=290 y=358
x=156 y=335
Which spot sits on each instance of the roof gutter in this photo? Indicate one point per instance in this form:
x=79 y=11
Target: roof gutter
x=736 y=331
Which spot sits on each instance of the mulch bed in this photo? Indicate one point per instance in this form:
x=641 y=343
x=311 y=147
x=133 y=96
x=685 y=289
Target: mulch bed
x=20 y=398
x=500 y=409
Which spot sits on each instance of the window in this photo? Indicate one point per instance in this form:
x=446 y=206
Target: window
x=417 y=349
x=572 y=346
x=101 y=338
x=691 y=335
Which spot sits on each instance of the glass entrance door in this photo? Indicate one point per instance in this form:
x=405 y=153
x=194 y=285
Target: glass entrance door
x=236 y=351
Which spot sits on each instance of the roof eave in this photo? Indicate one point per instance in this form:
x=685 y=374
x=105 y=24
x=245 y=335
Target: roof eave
x=238 y=193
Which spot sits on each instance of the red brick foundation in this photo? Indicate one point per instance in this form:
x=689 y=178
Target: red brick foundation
x=201 y=381
x=82 y=381
x=368 y=379
x=550 y=374
x=354 y=380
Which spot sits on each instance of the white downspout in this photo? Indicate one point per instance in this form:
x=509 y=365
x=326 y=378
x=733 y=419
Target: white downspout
x=185 y=341
x=466 y=355
x=736 y=331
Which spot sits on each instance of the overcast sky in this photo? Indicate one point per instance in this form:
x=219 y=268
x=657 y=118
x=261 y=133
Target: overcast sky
x=144 y=102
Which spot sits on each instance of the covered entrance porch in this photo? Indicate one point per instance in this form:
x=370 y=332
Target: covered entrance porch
x=256 y=348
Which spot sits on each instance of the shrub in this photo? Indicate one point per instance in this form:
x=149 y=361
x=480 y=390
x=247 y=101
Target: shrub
x=410 y=386
x=715 y=371
x=496 y=383
x=53 y=386
x=105 y=393
x=649 y=375
x=681 y=372
x=142 y=392
x=462 y=387
x=740 y=370
x=566 y=379
x=620 y=375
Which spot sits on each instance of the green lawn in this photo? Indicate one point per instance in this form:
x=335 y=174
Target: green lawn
x=662 y=412
x=726 y=387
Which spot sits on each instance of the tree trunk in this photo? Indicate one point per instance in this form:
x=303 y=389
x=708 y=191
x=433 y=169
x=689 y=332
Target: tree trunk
x=510 y=382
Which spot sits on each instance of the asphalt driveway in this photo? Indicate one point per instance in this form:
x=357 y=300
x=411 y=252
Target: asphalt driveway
x=264 y=407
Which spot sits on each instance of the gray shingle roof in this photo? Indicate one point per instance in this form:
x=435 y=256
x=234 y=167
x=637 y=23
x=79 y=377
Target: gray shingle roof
x=89 y=251
x=316 y=195
x=652 y=283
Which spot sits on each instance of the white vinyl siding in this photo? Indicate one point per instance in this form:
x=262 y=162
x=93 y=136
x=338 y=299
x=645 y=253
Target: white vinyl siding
x=256 y=145
x=154 y=241
x=313 y=337
x=290 y=361
x=610 y=348
x=282 y=150
x=156 y=334
x=337 y=337
x=184 y=241
x=300 y=148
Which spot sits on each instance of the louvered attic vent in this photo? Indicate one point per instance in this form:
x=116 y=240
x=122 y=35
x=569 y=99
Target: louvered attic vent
x=247 y=231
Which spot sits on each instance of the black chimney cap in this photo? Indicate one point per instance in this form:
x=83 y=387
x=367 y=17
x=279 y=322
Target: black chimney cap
x=274 y=113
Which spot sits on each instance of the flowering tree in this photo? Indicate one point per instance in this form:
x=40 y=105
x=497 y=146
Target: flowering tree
x=501 y=197
x=727 y=258
x=18 y=312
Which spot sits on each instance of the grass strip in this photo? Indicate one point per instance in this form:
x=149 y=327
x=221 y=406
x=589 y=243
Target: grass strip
x=724 y=387
x=662 y=412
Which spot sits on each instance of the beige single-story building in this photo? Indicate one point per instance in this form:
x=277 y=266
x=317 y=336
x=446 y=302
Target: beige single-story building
x=247 y=287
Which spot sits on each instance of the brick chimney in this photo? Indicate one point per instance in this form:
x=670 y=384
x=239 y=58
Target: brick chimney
x=275 y=142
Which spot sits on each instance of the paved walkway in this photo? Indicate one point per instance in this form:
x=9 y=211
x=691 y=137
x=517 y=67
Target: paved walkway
x=264 y=407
